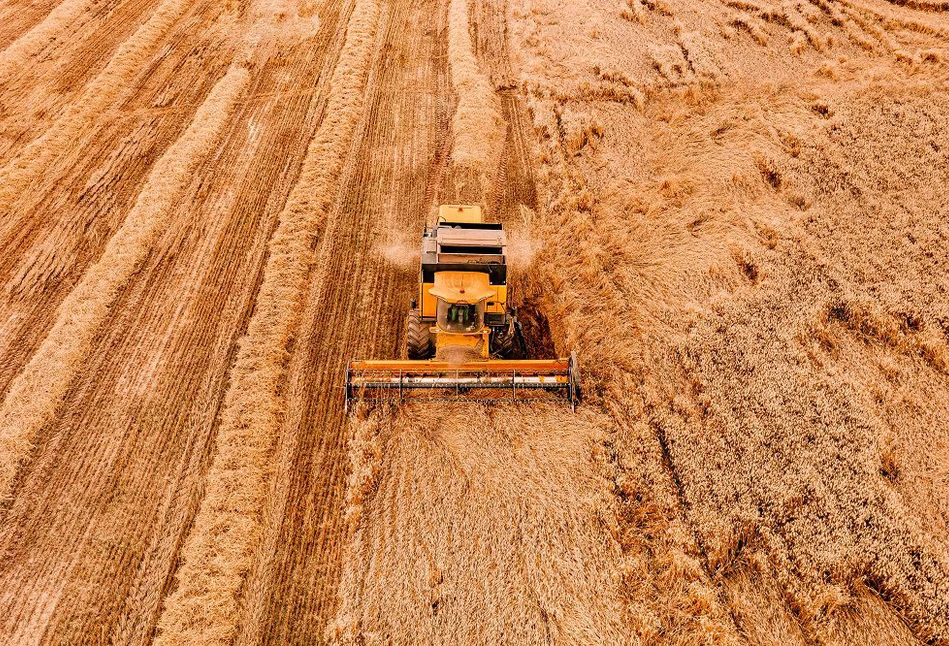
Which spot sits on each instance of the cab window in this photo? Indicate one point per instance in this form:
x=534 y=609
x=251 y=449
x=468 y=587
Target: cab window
x=460 y=317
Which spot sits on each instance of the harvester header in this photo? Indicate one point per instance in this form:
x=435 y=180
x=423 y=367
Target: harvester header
x=463 y=339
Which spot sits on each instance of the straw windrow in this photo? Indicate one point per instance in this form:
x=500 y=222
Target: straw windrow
x=103 y=91
x=30 y=44
x=36 y=392
x=228 y=526
x=477 y=125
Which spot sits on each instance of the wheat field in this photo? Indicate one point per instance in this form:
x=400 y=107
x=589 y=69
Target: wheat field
x=735 y=212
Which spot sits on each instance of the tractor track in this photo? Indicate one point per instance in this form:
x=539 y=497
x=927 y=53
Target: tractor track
x=134 y=434
x=355 y=307
x=61 y=66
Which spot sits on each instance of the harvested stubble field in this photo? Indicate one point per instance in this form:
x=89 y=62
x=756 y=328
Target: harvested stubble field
x=734 y=210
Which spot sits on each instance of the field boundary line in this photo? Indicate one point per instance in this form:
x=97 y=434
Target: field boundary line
x=228 y=527
x=36 y=392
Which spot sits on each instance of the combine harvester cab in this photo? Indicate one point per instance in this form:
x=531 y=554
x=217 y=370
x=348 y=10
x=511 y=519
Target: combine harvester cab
x=463 y=340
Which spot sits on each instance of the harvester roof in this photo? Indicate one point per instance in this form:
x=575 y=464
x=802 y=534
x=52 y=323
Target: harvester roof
x=462 y=286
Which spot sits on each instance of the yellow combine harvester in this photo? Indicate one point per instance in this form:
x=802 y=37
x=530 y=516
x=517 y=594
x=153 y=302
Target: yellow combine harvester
x=462 y=337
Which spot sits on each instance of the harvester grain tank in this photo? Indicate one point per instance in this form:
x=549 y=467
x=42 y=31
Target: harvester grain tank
x=463 y=339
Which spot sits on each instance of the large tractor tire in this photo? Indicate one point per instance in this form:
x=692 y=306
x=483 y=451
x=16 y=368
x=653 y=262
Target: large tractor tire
x=509 y=343
x=502 y=345
x=418 y=337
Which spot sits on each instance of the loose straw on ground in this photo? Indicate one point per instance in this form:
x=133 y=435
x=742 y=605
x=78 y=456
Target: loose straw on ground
x=228 y=526
x=36 y=392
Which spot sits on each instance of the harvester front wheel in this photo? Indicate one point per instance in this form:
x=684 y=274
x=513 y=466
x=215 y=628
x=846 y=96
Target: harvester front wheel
x=418 y=337
x=509 y=343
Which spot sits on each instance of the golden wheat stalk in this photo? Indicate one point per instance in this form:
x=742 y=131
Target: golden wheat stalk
x=104 y=90
x=36 y=392
x=228 y=526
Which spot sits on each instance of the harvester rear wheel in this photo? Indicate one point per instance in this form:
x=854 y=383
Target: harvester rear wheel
x=418 y=337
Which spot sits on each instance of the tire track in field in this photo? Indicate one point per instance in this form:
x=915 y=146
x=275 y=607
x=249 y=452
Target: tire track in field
x=59 y=67
x=355 y=308
x=514 y=183
x=32 y=398
x=227 y=528
x=83 y=198
x=128 y=455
